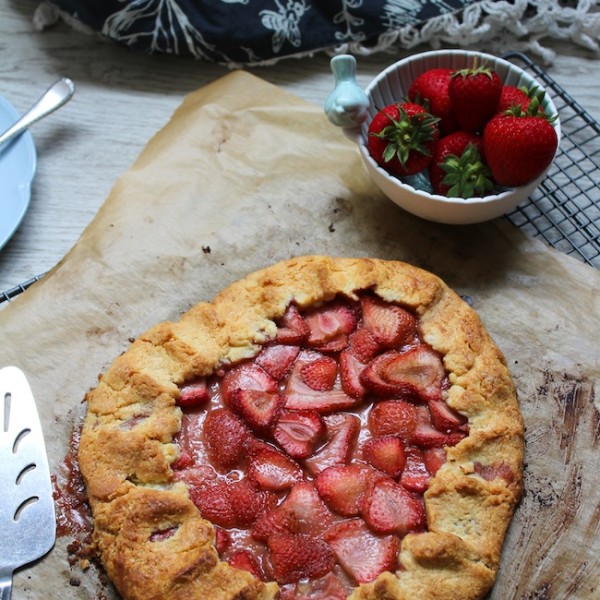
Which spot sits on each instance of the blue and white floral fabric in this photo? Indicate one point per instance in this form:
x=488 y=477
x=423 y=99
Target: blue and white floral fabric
x=251 y=31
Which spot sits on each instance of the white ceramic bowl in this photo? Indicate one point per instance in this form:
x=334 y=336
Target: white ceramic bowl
x=391 y=85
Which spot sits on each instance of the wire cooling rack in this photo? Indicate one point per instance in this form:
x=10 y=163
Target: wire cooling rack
x=8 y=295
x=564 y=210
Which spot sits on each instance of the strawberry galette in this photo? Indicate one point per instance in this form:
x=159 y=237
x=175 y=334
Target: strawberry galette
x=325 y=428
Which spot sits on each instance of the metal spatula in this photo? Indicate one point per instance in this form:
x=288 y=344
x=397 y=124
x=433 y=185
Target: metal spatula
x=27 y=520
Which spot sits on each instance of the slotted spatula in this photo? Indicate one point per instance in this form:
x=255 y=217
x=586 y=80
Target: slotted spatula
x=27 y=520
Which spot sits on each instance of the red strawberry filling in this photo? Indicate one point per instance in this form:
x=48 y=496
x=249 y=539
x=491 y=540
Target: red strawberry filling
x=312 y=458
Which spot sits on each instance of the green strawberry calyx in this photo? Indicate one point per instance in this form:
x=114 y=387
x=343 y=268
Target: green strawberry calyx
x=467 y=175
x=473 y=71
x=534 y=109
x=530 y=92
x=407 y=134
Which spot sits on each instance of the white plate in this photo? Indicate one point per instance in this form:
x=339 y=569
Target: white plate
x=17 y=169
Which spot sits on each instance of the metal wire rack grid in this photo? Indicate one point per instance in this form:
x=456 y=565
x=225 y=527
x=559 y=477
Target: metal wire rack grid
x=8 y=295
x=564 y=210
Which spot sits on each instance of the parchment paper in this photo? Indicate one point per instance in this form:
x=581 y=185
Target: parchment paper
x=244 y=175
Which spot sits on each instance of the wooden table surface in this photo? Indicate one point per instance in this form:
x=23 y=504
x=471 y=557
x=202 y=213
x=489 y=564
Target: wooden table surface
x=122 y=99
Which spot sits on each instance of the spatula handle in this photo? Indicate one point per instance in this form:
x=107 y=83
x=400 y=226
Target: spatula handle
x=5 y=586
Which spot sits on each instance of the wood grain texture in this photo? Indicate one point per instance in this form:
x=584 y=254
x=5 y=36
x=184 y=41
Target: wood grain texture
x=122 y=99
x=558 y=520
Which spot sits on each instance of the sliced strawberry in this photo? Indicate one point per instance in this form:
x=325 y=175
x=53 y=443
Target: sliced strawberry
x=195 y=477
x=291 y=328
x=222 y=424
x=213 y=502
x=434 y=458
x=302 y=511
x=194 y=394
x=325 y=588
x=342 y=434
x=278 y=520
x=246 y=501
x=415 y=476
x=298 y=556
x=247 y=376
x=342 y=488
x=300 y=396
x=277 y=359
x=427 y=436
x=393 y=417
x=363 y=345
x=362 y=554
x=330 y=326
x=242 y=559
x=385 y=454
x=387 y=507
x=350 y=370
x=185 y=461
x=271 y=470
x=299 y=432
x=258 y=409
x=307 y=509
x=444 y=417
x=417 y=372
x=320 y=375
x=190 y=438
x=432 y=438
x=222 y=540
x=390 y=325
x=322 y=402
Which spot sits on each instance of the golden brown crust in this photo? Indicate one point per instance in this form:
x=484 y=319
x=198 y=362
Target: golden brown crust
x=127 y=442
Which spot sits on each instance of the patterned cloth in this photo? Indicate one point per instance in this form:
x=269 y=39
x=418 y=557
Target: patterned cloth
x=247 y=32
x=251 y=31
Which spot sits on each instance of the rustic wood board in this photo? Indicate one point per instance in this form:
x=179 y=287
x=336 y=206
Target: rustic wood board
x=244 y=175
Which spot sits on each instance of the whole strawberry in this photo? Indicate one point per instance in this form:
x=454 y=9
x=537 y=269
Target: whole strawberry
x=474 y=93
x=519 y=145
x=457 y=169
x=431 y=89
x=513 y=96
x=401 y=138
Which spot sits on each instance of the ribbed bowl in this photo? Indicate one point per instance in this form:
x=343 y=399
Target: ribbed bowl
x=390 y=86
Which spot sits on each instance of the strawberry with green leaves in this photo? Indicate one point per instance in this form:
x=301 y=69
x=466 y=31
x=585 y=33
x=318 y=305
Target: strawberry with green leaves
x=431 y=89
x=401 y=138
x=474 y=93
x=519 y=144
x=457 y=169
x=514 y=96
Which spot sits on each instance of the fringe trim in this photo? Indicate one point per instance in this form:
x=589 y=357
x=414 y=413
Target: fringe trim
x=500 y=26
